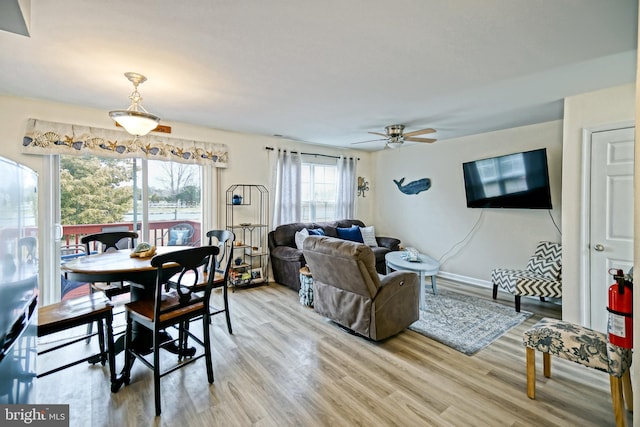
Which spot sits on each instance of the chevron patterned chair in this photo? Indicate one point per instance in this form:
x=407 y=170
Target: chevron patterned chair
x=542 y=278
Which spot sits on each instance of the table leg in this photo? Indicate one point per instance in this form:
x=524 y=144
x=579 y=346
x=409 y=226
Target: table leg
x=422 y=291
x=433 y=285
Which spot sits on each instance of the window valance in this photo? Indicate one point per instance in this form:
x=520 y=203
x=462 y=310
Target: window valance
x=44 y=138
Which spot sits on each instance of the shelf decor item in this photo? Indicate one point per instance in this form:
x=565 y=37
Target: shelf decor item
x=411 y=255
x=256 y=275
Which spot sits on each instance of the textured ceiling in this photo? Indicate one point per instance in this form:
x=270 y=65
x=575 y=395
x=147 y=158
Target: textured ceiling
x=325 y=71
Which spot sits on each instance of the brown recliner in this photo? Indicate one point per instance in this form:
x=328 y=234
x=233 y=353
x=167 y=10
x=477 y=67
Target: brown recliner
x=349 y=291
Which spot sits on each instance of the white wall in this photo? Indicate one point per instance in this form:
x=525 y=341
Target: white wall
x=436 y=220
x=607 y=107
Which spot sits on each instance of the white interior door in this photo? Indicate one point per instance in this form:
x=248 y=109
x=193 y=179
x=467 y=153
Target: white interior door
x=611 y=227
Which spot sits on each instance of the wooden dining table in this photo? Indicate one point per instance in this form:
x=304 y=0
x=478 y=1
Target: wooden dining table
x=117 y=266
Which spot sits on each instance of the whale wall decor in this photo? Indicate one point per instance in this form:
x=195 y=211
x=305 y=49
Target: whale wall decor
x=414 y=187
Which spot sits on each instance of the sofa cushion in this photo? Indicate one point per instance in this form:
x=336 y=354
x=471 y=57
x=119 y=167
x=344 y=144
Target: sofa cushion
x=178 y=237
x=330 y=231
x=353 y=234
x=369 y=236
x=304 y=233
x=549 y=268
x=300 y=236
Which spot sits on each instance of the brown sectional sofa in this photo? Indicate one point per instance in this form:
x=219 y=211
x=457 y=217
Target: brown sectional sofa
x=287 y=259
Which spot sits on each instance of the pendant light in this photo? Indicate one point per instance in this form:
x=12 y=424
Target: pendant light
x=135 y=119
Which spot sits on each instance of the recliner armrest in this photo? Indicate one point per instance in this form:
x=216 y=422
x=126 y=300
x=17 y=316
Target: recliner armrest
x=388 y=242
x=395 y=282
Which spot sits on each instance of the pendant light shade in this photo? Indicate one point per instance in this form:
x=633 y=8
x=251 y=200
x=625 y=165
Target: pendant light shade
x=135 y=119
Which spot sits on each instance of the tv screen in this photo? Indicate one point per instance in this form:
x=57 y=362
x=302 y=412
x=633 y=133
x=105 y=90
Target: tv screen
x=515 y=181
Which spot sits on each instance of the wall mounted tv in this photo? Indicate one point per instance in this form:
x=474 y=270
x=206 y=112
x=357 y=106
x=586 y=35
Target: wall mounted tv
x=513 y=181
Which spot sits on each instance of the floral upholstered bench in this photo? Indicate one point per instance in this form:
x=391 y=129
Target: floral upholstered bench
x=586 y=347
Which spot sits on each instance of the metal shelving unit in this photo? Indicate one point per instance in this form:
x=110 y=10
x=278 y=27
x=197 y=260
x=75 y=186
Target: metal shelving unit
x=248 y=217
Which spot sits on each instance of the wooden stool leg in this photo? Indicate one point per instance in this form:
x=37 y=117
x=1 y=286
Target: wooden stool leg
x=546 y=365
x=627 y=390
x=616 y=399
x=531 y=373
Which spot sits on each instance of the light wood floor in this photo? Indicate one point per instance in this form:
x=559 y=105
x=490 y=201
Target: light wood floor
x=287 y=366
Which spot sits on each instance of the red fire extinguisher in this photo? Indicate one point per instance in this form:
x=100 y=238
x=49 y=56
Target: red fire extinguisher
x=620 y=324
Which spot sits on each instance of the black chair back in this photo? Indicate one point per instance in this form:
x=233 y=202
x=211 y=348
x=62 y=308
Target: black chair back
x=184 y=273
x=112 y=240
x=224 y=240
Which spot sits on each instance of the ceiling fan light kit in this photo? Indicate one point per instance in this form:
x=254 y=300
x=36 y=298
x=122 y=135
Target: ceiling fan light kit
x=395 y=136
x=135 y=120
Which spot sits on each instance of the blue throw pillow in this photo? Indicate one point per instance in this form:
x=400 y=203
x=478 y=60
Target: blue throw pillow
x=177 y=237
x=316 y=232
x=352 y=234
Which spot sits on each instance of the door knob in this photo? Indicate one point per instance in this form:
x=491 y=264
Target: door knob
x=599 y=248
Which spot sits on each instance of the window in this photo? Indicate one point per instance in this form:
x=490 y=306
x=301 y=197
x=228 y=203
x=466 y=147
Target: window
x=319 y=190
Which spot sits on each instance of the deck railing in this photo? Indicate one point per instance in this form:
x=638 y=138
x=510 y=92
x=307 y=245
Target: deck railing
x=158 y=233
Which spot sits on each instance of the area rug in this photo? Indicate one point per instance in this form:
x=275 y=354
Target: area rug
x=465 y=323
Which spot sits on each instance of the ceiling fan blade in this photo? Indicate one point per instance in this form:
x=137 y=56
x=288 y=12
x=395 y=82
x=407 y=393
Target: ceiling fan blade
x=377 y=133
x=370 y=140
x=419 y=132
x=419 y=139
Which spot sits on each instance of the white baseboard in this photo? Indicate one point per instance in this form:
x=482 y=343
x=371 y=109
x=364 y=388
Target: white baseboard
x=465 y=279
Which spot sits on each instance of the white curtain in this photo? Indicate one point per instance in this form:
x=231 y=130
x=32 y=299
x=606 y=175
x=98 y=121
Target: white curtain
x=288 y=194
x=345 y=206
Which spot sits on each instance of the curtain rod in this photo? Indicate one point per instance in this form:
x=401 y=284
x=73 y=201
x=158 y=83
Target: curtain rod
x=310 y=154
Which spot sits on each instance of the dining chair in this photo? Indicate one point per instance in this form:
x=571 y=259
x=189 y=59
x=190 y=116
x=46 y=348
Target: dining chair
x=183 y=272
x=74 y=312
x=542 y=277
x=28 y=250
x=224 y=240
x=107 y=242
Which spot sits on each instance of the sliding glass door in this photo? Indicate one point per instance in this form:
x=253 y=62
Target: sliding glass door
x=162 y=201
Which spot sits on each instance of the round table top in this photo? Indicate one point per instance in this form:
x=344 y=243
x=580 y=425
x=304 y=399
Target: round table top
x=116 y=261
x=427 y=264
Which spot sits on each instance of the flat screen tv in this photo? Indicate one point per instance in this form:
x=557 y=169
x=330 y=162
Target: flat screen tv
x=513 y=181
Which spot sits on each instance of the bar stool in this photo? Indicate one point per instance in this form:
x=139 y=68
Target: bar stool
x=73 y=312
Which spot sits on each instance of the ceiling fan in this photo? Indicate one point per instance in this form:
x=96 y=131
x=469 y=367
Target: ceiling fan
x=395 y=136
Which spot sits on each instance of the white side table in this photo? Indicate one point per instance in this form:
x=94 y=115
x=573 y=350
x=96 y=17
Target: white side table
x=426 y=266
